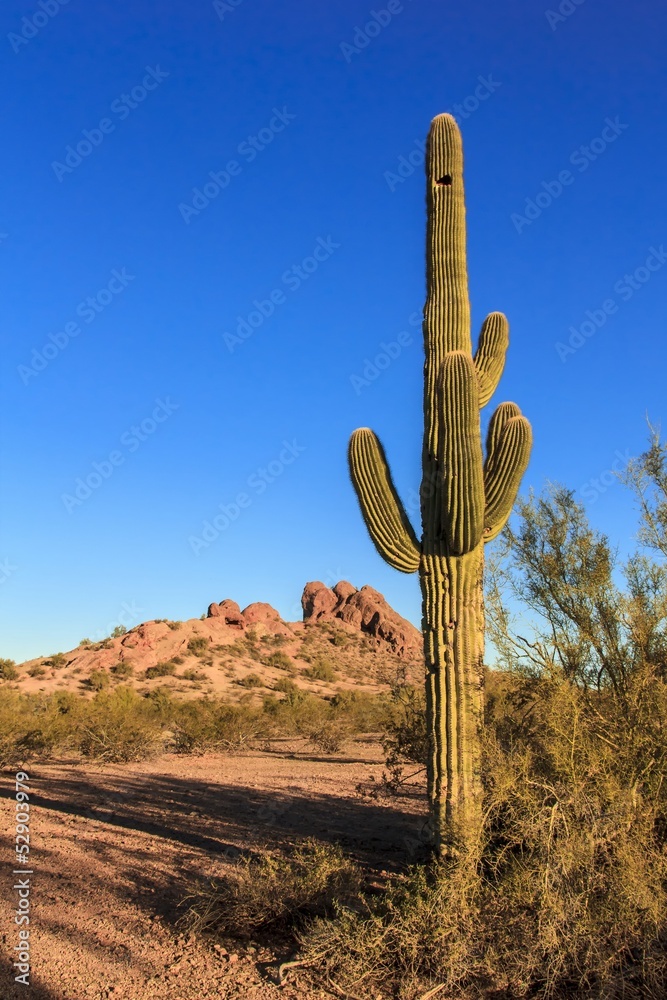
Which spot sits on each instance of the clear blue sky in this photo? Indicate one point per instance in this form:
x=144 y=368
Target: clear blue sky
x=120 y=305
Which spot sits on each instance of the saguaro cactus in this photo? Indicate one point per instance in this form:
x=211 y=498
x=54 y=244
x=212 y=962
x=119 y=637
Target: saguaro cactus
x=465 y=501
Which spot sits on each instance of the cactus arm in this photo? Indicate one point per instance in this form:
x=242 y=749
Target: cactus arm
x=382 y=510
x=490 y=356
x=510 y=442
x=461 y=453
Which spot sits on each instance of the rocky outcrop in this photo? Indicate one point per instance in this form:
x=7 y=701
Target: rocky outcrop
x=230 y=613
x=364 y=609
x=259 y=613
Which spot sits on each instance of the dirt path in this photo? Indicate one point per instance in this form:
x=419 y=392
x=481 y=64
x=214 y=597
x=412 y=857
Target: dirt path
x=115 y=849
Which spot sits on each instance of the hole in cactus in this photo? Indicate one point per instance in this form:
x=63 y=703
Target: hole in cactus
x=445 y=181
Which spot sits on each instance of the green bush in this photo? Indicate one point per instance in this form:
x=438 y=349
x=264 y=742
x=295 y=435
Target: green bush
x=198 y=645
x=58 y=660
x=321 y=670
x=210 y=725
x=98 y=680
x=122 y=669
x=8 y=671
x=120 y=727
x=274 y=892
x=250 y=681
x=37 y=670
x=280 y=660
x=166 y=669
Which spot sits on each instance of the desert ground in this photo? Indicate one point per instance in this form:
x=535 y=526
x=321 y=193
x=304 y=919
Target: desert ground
x=117 y=848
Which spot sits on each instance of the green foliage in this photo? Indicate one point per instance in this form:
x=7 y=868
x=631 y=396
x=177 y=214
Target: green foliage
x=274 y=892
x=250 y=681
x=118 y=631
x=8 y=671
x=321 y=670
x=280 y=660
x=98 y=680
x=166 y=669
x=57 y=661
x=37 y=670
x=119 y=727
x=211 y=725
x=198 y=645
x=122 y=669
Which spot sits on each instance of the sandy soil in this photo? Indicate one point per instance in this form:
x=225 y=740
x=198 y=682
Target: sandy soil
x=115 y=849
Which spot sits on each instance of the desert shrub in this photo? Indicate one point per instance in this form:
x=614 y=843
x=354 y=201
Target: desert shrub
x=280 y=660
x=250 y=681
x=8 y=671
x=97 y=680
x=174 y=626
x=285 y=685
x=119 y=727
x=207 y=725
x=34 y=726
x=57 y=661
x=178 y=660
x=166 y=669
x=122 y=669
x=85 y=642
x=36 y=671
x=198 y=645
x=273 y=891
x=339 y=639
x=236 y=648
x=366 y=712
x=118 y=631
x=329 y=734
x=193 y=675
x=321 y=670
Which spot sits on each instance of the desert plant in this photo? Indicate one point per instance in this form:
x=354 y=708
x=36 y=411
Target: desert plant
x=36 y=671
x=8 y=671
x=465 y=501
x=120 y=727
x=212 y=725
x=97 y=680
x=198 y=645
x=274 y=891
x=166 y=669
x=321 y=670
x=280 y=660
x=118 y=631
x=250 y=681
x=122 y=669
x=58 y=660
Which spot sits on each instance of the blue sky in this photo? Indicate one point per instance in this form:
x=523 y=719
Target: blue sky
x=213 y=218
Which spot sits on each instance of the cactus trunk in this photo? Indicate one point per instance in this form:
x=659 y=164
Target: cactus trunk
x=453 y=628
x=465 y=501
